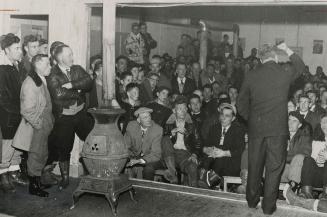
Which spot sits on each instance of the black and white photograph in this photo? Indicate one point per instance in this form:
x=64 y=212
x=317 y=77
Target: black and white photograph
x=163 y=108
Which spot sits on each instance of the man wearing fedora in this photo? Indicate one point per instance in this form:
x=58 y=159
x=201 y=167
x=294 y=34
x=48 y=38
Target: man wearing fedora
x=143 y=139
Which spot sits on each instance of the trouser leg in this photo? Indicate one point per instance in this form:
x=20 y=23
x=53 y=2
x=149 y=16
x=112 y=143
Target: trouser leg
x=295 y=168
x=256 y=157
x=275 y=162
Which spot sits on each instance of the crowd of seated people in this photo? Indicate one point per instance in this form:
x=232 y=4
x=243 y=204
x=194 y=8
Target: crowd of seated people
x=178 y=118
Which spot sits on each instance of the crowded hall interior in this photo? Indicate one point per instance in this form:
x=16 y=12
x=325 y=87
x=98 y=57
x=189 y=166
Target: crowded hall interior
x=196 y=108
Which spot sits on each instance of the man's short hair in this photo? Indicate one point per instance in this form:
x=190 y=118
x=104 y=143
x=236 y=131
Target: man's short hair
x=28 y=39
x=180 y=63
x=122 y=57
x=133 y=64
x=152 y=74
x=135 y=24
x=207 y=86
x=314 y=92
x=210 y=65
x=161 y=88
x=124 y=75
x=267 y=51
x=232 y=87
x=54 y=45
x=58 y=50
x=194 y=96
x=131 y=86
x=304 y=96
x=142 y=24
x=38 y=58
x=43 y=41
x=180 y=100
x=9 y=40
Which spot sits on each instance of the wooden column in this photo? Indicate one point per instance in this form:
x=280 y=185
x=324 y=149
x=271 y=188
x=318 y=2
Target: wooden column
x=203 y=45
x=236 y=31
x=109 y=30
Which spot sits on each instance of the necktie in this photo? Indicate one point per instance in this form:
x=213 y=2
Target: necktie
x=142 y=133
x=181 y=86
x=68 y=74
x=222 y=137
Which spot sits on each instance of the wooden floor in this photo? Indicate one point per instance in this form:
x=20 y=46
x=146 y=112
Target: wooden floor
x=154 y=200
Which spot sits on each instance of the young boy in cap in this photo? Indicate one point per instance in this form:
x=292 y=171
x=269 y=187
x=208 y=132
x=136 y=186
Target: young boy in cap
x=143 y=139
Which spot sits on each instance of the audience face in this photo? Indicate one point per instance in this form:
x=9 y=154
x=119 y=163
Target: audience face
x=304 y=104
x=42 y=67
x=226 y=117
x=127 y=80
x=121 y=65
x=135 y=29
x=145 y=119
x=296 y=95
x=199 y=93
x=181 y=111
x=196 y=68
x=323 y=98
x=140 y=77
x=66 y=57
x=143 y=29
x=181 y=70
x=207 y=94
x=321 y=89
x=293 y=124
x=223 y=96
x=195 y=105
x=323 y=124
x=155 y=66
x=133 y=94
x=163 y=96
x=307 y=87
x=153 y=79
x=32 y=48
x=180 y=51
x=210 y=71
x=14 y=52
x=313 y=99
x=135 y=73
x=233 y=94
x=216 y=90
x=290 y=106
x=43 y=49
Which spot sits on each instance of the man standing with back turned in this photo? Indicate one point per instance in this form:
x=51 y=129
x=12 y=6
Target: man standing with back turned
x=263 y=102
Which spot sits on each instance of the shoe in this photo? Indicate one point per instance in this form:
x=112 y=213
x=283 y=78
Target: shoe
x=171 y=174
x=7 y=185
x=323 y=195
x=294 y=200
x=64 y=170
x=306 y=192
x=35 y=187
x=48 y=178
x=212 y=179
x=18 y=178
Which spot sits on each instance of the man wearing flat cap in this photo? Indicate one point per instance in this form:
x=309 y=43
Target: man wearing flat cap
x=224 y=147
x=143 y=139
x=263 y=103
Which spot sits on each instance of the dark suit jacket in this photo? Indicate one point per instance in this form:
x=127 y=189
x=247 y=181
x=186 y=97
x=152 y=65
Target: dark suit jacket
x=264 y=95
x=149 y=145
x=10 y=85
x=188 y=89
x=313 y=119
x=300 y=143
x=146 y=94
x=234 y=141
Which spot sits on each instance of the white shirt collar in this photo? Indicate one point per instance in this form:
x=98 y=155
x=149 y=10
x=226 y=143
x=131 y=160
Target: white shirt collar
x=213 y=80
x=313 y=107
x=304 y=113
x=180 y=80
x=226 y=128
x=64 y=69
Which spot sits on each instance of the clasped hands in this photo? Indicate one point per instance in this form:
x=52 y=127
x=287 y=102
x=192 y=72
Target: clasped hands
x=214 y=152
x=68 y=86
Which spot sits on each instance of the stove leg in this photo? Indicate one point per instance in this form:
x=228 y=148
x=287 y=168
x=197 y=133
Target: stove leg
x=113 y=203
x=132 y=194
x=76 y=196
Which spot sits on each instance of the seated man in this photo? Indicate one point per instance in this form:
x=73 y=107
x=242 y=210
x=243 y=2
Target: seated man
x=125 y=79
x=161 y=111
x=224 y=148
x=314 y=170
x=179 y=144
x=143 y=139
x=314 y=106
x=299 y=146
x=310 y=117
x=130 y=106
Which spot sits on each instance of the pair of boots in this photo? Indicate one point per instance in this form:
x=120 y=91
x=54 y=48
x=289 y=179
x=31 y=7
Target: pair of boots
x=64 y=170
x=306 y=192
